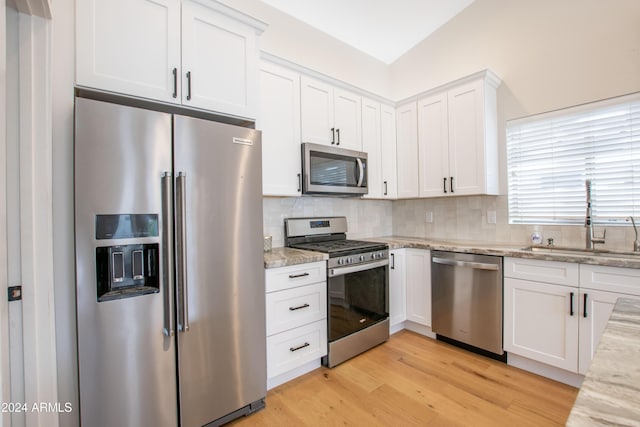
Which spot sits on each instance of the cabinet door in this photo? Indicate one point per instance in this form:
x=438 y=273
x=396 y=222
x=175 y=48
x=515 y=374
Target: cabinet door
x=316 y=112
x=539 y=323
x=130 y=47
x=407 y=150
x=466 y=138
x=433 y=146
x=397 y=288
x=388 y=144
x=347 y=119
x=279 y=120
x=418 y=280
x=219 y=61
x=596 y=309
x=371 y=146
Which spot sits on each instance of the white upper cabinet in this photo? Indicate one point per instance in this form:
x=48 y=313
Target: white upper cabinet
x=473 y=138
x=433 y=143
x=371 y=146
x=330 y=115
x=458 y=143
x=379 y=142
x=388 y=143
x=203 y=55
x=407 y=150
x=219 y=60
x=279 y=120
x=130 y=47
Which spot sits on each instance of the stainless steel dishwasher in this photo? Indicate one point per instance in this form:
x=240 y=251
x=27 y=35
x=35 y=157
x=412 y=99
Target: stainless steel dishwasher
x=466 y=301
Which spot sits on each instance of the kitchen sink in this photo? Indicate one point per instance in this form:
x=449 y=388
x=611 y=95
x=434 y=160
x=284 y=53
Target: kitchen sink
x=562 y=250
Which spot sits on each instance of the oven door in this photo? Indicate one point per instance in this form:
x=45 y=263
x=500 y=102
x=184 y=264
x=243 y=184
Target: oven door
x=357 y=297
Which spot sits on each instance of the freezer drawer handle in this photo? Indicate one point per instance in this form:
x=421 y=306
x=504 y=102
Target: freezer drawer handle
x=181 y=237
x=296 y=276
x=474 y=265
x=306 y=344
x=299 y=307
x=167 y=256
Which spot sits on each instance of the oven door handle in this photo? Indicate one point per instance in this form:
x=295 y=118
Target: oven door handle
x=340 y=271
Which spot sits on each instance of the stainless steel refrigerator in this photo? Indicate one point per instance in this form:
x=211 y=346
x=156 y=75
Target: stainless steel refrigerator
x=169 y=264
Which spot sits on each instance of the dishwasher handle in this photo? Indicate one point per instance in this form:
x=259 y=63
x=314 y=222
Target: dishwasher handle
x=470 y=264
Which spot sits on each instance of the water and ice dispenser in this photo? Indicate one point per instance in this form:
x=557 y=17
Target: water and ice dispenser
x=131 y=269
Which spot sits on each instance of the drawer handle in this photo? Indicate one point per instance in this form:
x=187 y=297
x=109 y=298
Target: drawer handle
x=296 y=276
x=299 y=307
x=306 y=344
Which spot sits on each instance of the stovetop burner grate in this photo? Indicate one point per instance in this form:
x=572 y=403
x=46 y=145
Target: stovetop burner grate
x=335 y=247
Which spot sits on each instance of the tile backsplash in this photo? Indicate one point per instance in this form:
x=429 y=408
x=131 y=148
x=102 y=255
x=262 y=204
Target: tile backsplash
x=365 y=218
x=451 y=218
x=466 y=218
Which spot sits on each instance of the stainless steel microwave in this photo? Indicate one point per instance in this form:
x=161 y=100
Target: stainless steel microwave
x=333 y=171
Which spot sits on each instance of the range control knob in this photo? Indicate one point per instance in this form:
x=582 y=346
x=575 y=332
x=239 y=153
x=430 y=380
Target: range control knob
x=349 y=260
x=340 y=261
x=361 y=258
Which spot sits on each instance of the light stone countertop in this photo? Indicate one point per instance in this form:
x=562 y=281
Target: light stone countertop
x=280 y=257
x=610 y=393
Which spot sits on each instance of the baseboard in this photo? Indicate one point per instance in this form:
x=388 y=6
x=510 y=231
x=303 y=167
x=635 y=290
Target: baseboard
x=545 y=370
x=294 y=373
x=419 y=329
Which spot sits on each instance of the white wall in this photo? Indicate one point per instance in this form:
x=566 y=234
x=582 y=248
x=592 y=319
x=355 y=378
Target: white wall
x=297 y=42
x=550 y=55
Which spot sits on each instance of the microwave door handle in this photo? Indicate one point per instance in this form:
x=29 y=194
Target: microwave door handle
x=360 y=172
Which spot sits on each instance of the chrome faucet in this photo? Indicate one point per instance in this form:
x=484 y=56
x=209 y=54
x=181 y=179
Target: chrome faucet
x=636 y=243
x=591 y=240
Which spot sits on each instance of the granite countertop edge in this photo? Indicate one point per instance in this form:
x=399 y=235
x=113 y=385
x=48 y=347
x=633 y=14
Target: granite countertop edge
x=609 y=394
x=281 y=257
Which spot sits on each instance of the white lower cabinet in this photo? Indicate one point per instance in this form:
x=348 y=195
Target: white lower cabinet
x=538 y=323
x=296 y=319
x=556 y=312
x=600 y=288
x=295 y=347
x=397 y=289
x=418 y=283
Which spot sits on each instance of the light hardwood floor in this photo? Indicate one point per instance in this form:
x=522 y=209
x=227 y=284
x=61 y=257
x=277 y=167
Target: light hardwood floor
x=412 y=380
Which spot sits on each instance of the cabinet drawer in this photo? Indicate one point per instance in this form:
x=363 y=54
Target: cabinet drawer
x=296 y=307
x=293 y=348
x=611 y=279
x=281 y=278
x=559 y=273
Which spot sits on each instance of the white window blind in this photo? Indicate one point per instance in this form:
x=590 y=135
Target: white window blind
x=549 y=157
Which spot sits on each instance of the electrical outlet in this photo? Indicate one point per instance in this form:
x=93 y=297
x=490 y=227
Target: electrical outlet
x=491 y=217
x=429 y=217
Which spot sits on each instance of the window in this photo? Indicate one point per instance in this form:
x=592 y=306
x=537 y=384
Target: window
x=551 y=155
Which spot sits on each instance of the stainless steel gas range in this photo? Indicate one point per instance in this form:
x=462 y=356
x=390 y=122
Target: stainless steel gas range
x=357 y=284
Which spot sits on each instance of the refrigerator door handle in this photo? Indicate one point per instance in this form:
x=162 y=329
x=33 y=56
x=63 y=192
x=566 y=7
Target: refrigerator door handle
x=181 y=245
x=167 y=255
